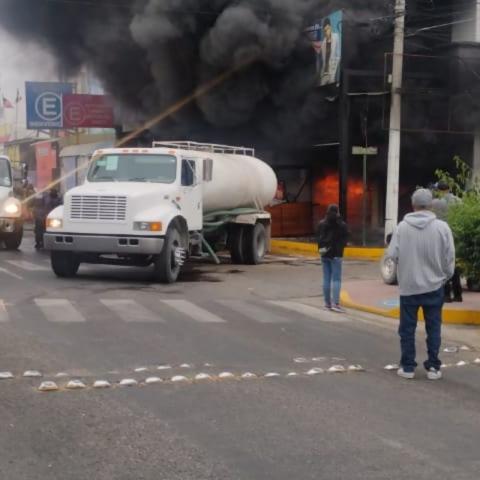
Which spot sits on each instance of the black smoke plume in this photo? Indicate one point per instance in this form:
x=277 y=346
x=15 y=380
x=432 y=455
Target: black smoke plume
x=150 y=53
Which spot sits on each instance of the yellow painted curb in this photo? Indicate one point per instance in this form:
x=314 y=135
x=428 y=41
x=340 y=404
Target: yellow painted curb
x=451 y=317
x=286 y=247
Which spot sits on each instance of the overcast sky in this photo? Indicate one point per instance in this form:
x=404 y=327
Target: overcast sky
x=21 y=62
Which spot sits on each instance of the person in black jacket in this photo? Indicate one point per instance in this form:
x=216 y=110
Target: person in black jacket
x=42 y=206
x=332 y=235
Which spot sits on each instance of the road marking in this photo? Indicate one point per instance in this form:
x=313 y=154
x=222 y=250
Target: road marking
x=253 y=312
x=131 y=311
x=310 y=311
x=4 y=317
x=193 y=311
x=8 y=272
x=28 y=266
x=273 y=258
x=59 y=310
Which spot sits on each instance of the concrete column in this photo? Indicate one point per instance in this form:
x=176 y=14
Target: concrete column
x=476 y=154
x=469 y=31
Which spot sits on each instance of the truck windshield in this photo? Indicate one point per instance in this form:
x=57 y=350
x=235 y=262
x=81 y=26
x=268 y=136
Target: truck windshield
x=133 y=168
x=5 y=173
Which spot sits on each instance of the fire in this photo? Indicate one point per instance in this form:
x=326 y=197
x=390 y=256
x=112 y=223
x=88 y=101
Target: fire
x=326 y=191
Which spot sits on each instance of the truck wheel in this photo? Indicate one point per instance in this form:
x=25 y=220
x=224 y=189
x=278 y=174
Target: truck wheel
x=236 y=241
x=168 y=264
x=388 y=269
x=64 y=264
x=255 y=244
x=13 y=240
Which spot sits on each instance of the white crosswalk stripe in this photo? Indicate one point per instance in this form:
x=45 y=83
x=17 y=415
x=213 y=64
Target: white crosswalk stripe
x=254 y=312
x=193 y=311
x=309 y=311
x=131 y=311
x=6 y=271
x=59 y=310
x=28 y=266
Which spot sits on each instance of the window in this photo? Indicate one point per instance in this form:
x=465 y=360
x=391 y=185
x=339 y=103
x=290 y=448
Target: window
x=134 y=168
x=5 y=174
x=188 y=173
x=207 y=169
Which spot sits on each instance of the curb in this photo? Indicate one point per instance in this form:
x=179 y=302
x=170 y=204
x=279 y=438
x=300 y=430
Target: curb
x=450 y=317
x=286 y=247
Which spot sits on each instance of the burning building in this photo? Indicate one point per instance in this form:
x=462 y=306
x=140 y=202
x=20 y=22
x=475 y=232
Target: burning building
x=303 y=101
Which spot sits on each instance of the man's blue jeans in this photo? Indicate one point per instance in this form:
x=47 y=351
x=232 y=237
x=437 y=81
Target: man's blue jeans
x=431 y=304
x=332 y=280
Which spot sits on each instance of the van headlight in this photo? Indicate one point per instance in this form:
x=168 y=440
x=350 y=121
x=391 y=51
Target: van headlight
x=54 y=223
x=12 y=207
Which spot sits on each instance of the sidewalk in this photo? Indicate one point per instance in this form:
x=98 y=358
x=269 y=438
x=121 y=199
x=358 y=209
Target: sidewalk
x=371 y=295
x=296 y=248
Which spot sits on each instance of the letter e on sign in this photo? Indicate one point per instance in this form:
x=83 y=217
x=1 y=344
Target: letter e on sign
x=48 y=107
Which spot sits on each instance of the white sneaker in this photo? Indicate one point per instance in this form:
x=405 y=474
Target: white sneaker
x=338 y=309
x=433 y=374
x=408 y=375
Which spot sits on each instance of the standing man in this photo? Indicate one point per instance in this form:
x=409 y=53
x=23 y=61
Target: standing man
x=423 y=247
x=43 y=205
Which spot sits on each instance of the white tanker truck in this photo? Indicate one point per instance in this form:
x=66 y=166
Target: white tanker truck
x=11 y=222
x=159 y=206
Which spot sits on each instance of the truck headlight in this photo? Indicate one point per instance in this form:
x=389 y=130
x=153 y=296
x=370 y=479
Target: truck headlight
x=54 y=223
x=148 y=226
x=11 y=207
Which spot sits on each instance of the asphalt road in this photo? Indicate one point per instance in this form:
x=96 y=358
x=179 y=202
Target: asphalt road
x=113 y=324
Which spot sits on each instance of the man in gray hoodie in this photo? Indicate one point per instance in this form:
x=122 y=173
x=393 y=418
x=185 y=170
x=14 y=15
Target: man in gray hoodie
x=423 y=247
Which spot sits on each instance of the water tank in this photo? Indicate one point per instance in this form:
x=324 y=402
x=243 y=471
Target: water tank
x=238 y=181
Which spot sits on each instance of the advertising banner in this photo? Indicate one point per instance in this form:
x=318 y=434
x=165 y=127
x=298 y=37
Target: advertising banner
x=5 y=133
x=87 y=111
x=326 y=38
x=46 y=159
x=45 y=105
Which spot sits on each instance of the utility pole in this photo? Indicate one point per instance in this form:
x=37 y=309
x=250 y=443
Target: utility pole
x=393 y=172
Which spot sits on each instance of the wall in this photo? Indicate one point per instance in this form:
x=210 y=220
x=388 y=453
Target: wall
x=469 y=31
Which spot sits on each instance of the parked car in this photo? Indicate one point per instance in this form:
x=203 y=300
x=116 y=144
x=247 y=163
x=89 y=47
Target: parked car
x=388 y=267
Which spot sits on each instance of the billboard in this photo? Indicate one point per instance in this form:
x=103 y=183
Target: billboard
x=5 y=133
x=55 y=106
x=87 y=111
x=45 y=105
x=326 y=38
x=46 y=160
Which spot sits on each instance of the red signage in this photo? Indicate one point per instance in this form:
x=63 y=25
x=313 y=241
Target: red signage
x=46 y=158
x=87 y=111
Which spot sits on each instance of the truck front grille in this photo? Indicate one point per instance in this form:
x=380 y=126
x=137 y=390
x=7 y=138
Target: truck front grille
x=94 y=207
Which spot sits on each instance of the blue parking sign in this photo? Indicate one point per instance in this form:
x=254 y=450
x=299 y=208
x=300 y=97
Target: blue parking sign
x=45 y=104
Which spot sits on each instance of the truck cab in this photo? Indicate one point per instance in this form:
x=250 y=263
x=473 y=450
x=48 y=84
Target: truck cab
x=140 y=207
x=11 y=223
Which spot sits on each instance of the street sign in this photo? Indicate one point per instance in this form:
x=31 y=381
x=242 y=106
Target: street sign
x=364 y=151
x=87 y=111
x=45 y=105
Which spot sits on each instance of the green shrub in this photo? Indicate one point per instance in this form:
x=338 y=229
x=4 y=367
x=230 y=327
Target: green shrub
x=464 y=217
x=464 y=220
